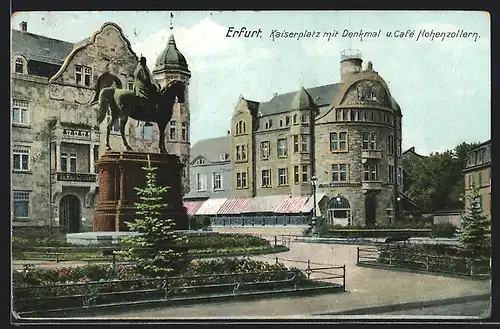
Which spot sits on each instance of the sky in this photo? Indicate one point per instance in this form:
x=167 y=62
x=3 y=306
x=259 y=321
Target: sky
x=442 y=85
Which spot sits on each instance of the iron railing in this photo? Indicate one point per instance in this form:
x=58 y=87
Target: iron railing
x=386 y=256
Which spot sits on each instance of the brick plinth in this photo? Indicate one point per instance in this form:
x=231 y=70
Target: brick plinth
x=120 y=173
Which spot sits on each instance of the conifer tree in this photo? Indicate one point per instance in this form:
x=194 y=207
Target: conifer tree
x=475 y=235
x=156 y=250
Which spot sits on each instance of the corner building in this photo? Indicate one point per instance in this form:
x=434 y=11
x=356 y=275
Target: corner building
x=347 y=135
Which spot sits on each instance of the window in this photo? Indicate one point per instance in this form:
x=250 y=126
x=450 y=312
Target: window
x=241 y=180
x=366 y=141
x=238 y=152
x=82 y=75
x=295 y=143
x=342 y=141
x=64 y=162
x=471 y=180
x=296 y=174
x=21 y=158
x=184 y=172
x=295 y=119
x=353 y=115
x=344 y=115
x=147 y=132
x=372 y=116
x=305 y=173
x=479 y=179
x=224 y=157
x=87 y=76
x=281 y=122
x=201 y=161
x=266 y=178
x=21 y=204
x=241 y=127
x=264 y=150
x=305 y=143
x=390 y=144
x=370 y=170
x=243 y=152
x=72 y=162
x=96 y=158
x=338 y=114
x=282 y=176
x=172 y=132
x=217 y=181
x=287 y=120
x=282 y=147
x=20 y=112
x=130 y=85
x=201 y=182
x=19 y=66
x=398 y=146
x=373 y=141
x=333 y=142
x=400 y=176
x=304 y=118
x=339 y=172
x=184 y=131
x=269 y=124
x=391 y=174
x=369 y=141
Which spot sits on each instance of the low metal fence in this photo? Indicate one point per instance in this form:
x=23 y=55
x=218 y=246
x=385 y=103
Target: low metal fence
x=46 y=299
x=388 y=257
x=316 y=271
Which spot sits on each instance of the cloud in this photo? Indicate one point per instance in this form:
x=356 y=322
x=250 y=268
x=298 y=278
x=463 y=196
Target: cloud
x=205 y=47
x=322 y=47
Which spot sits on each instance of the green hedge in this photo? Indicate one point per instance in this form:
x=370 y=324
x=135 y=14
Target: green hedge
x=432 y=258
x=434 y=231
x=34 y=277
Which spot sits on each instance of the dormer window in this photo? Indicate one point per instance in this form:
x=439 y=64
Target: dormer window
x=201 y=161
x=295 y=119
x=304 y=118
x=224 y=157
x=19 y=66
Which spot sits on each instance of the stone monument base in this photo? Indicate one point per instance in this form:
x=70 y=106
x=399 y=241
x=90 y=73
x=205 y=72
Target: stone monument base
x=120 y=173
x=110 y=238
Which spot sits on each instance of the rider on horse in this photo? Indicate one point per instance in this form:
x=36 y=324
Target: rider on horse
x=144 y=87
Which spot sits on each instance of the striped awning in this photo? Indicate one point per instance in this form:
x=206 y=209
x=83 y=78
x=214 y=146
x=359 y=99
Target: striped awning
x=309 y=205
x=233 y=206
x=211 y=206
x=291 y=205
x=264 y=203
x=192 y=206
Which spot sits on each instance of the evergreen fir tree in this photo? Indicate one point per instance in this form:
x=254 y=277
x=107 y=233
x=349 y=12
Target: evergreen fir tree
x=157 y=250
x=475 y=235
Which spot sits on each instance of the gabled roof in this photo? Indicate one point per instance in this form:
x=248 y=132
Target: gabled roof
x=211 y=148
x=321 y=96
x=411 y=150
x=39 y=48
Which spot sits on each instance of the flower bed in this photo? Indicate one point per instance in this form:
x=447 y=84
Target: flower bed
x=127 y=288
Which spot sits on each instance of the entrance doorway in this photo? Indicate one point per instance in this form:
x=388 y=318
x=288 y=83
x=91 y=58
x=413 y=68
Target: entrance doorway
x=339 y=211
x=371 y=210
x=69 y=214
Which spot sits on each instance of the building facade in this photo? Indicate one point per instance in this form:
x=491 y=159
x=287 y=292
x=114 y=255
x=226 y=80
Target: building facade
x=346 y=135
x=210 y=169
x=55 y=139
x=477 y=173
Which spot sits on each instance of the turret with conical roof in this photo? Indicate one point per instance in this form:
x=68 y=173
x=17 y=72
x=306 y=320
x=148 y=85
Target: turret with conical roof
x=171 y=64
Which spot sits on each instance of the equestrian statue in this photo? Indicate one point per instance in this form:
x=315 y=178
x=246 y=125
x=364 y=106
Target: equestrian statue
x=146 y=102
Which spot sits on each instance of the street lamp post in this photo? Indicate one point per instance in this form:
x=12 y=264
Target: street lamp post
x=314 y=179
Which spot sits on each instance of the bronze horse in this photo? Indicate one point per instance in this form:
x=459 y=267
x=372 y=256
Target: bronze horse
x=124 y=104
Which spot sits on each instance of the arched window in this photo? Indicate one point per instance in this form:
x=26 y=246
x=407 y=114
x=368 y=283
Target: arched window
x=339 y=211
x=20 y=66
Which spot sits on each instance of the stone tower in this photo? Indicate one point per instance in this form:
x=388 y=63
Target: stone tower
x=171 y=64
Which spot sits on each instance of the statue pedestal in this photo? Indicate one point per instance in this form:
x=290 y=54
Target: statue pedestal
x=120 y=173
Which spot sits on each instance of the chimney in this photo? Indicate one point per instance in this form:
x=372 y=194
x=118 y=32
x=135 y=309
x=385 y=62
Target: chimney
x=229 y=132
x=23 y=27
x=275 y=94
